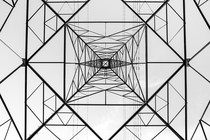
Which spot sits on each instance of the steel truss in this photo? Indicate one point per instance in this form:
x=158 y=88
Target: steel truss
x=74 y=69
x=204 y=126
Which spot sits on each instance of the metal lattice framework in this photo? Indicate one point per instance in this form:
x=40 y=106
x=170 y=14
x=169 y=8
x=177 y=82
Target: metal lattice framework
x=203 y=124
x=67 y=72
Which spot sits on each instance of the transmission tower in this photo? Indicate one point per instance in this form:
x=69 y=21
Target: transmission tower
x=101 y=69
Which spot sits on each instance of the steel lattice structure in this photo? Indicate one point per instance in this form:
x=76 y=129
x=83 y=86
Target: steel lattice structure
x=204 y=125
x=100 y=70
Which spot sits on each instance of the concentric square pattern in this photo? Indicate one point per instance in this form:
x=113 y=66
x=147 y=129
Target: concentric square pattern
x=100 y=70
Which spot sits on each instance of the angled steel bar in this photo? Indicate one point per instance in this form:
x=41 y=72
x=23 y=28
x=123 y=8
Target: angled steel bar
x=167 y=124
x=83 y=41
x=202 y=49
x=82 y=86
x=10 y=49
x=204 y=133
x=203 y=16
x=13 y=6
x=64 y=23
x=44 y=123
x=125 y=43
x=129 y=87
x=64 y=103
x=163 y=4
x=205 y=110
x=154 y=31
x=5 y=78
x=10 y=116
x=200 y=121
x=200 y=74
x=145 y=104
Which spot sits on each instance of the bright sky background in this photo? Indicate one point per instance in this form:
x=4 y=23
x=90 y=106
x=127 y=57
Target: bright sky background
x=106 y=121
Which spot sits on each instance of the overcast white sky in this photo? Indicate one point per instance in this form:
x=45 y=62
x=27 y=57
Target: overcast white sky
x=105 y=121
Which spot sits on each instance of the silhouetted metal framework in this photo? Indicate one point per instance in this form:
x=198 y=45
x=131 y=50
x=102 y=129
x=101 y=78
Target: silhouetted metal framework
x=71 y=67
x=204 y=126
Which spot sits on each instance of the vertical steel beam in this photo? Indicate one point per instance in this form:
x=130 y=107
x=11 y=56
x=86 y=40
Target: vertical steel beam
x=26 y=71
x=185 y=70
x=64 y=64
x=146 y=61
